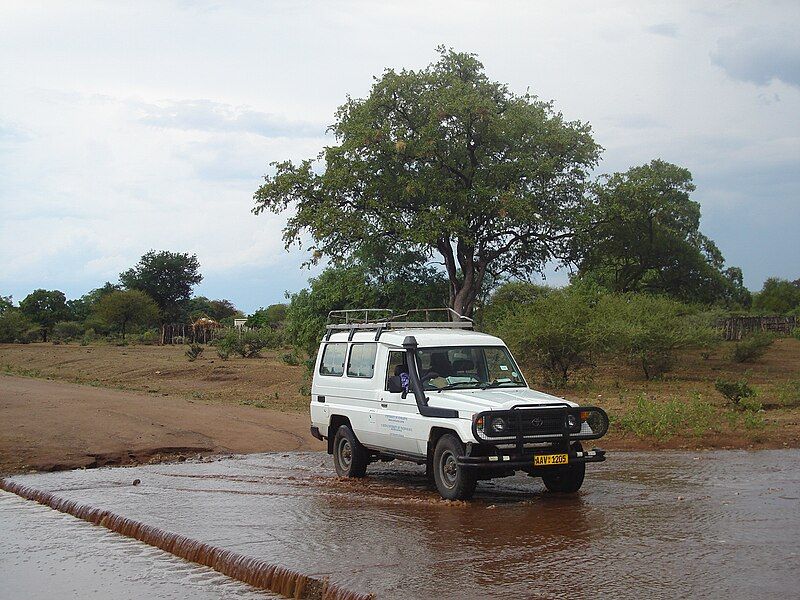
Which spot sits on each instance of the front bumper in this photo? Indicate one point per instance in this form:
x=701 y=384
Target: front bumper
x=516 y=461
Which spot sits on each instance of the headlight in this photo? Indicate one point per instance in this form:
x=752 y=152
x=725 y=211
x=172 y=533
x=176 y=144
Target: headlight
x=498 y=425
x=572 y=422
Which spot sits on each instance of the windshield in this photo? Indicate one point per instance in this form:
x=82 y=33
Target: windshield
x=468 y=367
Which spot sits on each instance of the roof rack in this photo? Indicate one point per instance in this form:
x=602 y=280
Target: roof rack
x=380 y=320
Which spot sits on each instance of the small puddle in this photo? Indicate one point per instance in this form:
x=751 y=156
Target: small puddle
x=658 y=525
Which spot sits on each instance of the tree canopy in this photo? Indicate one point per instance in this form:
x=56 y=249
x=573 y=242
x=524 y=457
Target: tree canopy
x=45 y=308
x=219 y=310
x=126 y=309
x=444 y=162
x=641 y=233
x=778 y=297
x=168 y=278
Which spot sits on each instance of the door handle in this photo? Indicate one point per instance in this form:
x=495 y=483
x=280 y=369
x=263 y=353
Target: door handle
x=384 y=405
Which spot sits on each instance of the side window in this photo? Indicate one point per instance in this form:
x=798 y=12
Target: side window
x=333 y=360
x=397 y=364
x=362 y=360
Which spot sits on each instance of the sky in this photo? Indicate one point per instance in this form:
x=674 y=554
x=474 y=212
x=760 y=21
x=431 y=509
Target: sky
x=131 y=126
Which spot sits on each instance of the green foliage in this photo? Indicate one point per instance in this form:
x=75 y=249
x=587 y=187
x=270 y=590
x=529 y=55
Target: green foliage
x=752 y=347
x=788 y=394
x=777 y=297
x=15 y=327
x=648 y=330
x=127 y=309
x=273 y=316
x=168 y=278
x=218 y=310
x=357 y=286
x=45 y=308
x=6 y=304
x=291 y=359
x=441 y=160
x=194 y=351
x=247 y=344
x=555 y=331
x=67 y=331
x=734 y=391
x=82 y=308
x=665 y=419
x=507 y=298
x=641 y=234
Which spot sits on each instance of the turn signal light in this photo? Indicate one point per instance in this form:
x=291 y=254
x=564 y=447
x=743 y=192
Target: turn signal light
x=584 y=415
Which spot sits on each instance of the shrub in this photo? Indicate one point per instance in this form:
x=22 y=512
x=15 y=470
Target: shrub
x=194 y=351
x=662 y=420
x=554 y=331
x=150 y=337
x=247 y=344
x=66 y=331
x=223 y=353
x=751 y=348
x=788 y=394
x=290 y=358
x=648 y=330
x=16 y=327
x=734 y=391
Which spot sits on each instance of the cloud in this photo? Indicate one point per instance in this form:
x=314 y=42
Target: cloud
x=760 y=56
x=207 y=115
x=665 y=29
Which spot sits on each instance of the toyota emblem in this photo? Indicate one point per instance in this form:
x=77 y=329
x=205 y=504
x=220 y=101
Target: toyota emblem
x=537 y=421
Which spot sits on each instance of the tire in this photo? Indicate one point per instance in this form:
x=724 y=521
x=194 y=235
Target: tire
x=566 y=480
x=453 y=482
x=349 y=456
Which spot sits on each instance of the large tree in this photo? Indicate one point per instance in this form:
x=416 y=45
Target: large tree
x=444 y=162
x=168 y=278
x=45 y=308
x=641 y=233
x=126 y=309
x=778 y=297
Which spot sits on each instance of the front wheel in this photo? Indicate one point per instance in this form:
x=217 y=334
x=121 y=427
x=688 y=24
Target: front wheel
x=453 y=481
x=568 y=479
x=349 y=456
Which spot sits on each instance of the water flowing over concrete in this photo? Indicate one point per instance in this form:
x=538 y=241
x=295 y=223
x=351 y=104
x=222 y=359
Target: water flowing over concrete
x=646 y=524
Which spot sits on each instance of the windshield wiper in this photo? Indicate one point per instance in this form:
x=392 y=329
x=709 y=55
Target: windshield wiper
x=494 y=384
x=451 y=386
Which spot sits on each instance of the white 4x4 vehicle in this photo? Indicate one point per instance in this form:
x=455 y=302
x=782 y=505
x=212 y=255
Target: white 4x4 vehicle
x=446 y=396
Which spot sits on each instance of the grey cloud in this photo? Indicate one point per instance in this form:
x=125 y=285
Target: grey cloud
x=760 y=56
x=665 y=29
x=206 y=115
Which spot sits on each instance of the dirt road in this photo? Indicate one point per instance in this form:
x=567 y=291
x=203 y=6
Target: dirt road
x=48 y=425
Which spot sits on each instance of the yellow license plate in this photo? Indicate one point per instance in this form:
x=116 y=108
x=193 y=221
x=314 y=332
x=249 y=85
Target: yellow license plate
x=545 y=460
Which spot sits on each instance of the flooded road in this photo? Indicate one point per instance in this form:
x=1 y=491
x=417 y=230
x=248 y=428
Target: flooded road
x=46 y=554
x=656 y=525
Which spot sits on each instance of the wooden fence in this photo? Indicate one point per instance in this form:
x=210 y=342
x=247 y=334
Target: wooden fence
x=186 y=333
x=734 y=328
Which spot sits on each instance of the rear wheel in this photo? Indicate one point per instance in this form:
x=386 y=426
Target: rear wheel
x=453 y=481
x=568 y=479
x=349 y=456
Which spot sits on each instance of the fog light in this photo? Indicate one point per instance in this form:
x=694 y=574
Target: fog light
x=498 y=425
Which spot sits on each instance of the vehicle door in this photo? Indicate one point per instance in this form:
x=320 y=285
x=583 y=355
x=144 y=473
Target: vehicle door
x=400 y=426
x=362 y=387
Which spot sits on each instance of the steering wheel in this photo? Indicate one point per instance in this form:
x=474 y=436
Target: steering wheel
x=429 y=375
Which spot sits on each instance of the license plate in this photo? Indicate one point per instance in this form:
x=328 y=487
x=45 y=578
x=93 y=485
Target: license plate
x=545 y=460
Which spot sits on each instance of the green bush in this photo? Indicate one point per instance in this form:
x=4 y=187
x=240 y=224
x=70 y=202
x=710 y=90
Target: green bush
x=16 y=327
x=647 y=330
x=290 y=358
x=247 y=344
x=67 y=331
x=663 y=420
x=194 y=351
x=788 y=394
x=734 y=391
x=555 y=331
x=150 y=337
x=751 y=348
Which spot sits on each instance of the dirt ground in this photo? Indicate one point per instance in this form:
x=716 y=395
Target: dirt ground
x=141 y=403
x=49 y=425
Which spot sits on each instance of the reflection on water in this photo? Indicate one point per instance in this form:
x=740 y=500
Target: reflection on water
x=666 y=524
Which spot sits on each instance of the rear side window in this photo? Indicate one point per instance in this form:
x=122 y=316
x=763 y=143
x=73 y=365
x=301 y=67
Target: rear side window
x=333 y=360
x=362 y=360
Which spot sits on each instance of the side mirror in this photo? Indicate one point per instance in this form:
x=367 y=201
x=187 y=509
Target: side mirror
x=396 y=385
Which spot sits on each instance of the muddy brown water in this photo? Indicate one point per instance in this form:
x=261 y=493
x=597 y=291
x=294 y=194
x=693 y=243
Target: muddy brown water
x=656 y=525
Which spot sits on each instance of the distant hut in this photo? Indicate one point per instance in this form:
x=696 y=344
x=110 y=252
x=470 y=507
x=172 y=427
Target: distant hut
x=203 y=329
